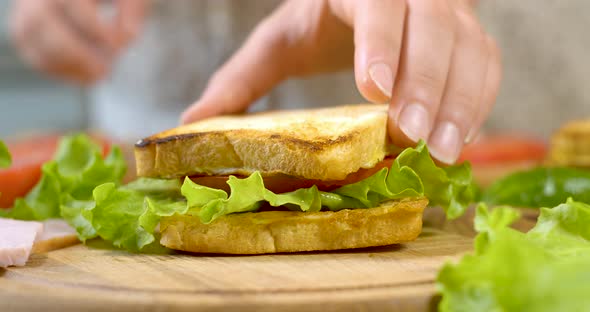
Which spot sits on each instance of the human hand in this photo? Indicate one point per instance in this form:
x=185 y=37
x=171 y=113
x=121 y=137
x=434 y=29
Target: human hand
x=430 y=59
x=72 y=39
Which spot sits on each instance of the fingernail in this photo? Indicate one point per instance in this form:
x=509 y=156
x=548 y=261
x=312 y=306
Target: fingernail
x=414 y=122
x=445 y=142
x=382 y=76
x=470 y=136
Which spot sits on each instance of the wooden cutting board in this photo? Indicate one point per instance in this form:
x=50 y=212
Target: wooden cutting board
x=98 y=278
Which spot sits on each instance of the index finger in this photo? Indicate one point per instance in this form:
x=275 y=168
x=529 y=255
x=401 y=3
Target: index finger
x=378 y=35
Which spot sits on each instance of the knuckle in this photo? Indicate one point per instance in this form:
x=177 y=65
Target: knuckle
x=471 y=36
x=460 y=108
x=268 y=29
x=468 y=25
x=276 y=43
x=269 y=36
x=427 y=83
x=494 y=60
x=440 y=8
x=437 y=13
x=492 y=46
x=465 y=101
x=443 y=28
x=385 y=39
x=463 y=118
x=442 y=14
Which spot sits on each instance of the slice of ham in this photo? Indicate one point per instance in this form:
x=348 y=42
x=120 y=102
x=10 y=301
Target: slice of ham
x=18 y=239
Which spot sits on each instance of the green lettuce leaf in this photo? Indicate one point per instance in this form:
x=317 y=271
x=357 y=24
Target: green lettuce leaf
x=5 y=159
x=76 y=169
x=128 y=215
x=546 y=269
x=83 y=188
x=78 y=214
x=128 y=218
x=5 y=162
x=412 y=174
x=487 y=223
x=540 y=187
x=246 y=195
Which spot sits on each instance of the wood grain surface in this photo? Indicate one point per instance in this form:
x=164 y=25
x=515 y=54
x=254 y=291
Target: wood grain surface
x=99 y=278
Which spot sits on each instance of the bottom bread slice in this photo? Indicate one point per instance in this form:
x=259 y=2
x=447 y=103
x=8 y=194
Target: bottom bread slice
x=291 y=231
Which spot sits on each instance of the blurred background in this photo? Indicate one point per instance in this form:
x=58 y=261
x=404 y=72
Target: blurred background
x=544 y=50
x=30 y=101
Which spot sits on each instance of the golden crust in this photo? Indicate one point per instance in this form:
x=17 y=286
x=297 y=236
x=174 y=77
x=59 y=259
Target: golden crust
x=322 y=144
x=55 y=243
x=290 y=231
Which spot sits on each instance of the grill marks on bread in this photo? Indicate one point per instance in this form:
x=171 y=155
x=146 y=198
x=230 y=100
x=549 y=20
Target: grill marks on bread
x=321 y=144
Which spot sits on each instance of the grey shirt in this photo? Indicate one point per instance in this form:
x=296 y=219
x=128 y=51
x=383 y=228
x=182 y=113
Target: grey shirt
x=544 y=43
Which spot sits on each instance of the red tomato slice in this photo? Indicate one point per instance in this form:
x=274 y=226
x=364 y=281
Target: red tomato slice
x=283 y=183
x=503 y=148
x=28 y=155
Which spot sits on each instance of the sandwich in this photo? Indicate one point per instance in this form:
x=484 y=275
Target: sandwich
x=286 y=181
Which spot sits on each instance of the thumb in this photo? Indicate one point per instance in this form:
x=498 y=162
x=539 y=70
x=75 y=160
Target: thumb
x=251 y=72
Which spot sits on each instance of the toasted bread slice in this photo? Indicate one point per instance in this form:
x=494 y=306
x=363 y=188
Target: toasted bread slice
x=291 y=231
x=321 y=144
x=57 y=234
x=570 y=145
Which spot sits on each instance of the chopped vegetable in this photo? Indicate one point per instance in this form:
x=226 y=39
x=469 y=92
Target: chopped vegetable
x=540 y=187
x=5 y=158
x=76 y=169
x=546 y=269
